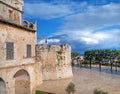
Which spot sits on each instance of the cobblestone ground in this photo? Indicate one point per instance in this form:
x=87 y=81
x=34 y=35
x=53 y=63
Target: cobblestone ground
x=85 y=81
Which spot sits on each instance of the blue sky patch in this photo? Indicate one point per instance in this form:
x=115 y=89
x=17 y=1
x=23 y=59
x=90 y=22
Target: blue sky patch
x=84 y=24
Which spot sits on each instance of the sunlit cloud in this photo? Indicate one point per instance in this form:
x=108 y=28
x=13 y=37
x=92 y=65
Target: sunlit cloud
x=46 y=11
x=48 y=41
x=89 y=40
x=87 y=25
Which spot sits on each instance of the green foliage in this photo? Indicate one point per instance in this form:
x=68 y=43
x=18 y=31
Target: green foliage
x=59 y=52
x=74 y=54
x=59 y=55
x=85 y=62
x=118 y=54
x=70 y=88
x=97 y=91
x=100 y=55
x=106 y=64
x=42 y=92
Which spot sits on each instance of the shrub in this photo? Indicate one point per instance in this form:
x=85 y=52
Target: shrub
x=70 y=88
x=42 y=92
x=97 y=91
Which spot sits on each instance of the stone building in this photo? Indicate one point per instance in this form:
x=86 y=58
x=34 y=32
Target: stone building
x=23 y=65
x=55 y=60
x=11 y=10
x=19 y=73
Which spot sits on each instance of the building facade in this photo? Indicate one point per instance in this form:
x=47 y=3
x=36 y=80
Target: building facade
x=23 y=64
x=18 y=69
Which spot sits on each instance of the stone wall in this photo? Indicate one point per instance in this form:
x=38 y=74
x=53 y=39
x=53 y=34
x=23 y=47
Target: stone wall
x=20 y=38
x=55 y=60
x=8 y=75
x=11 y=10
x=10 y=67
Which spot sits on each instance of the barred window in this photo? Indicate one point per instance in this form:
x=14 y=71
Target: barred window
x=9 y=50
x=28 y=51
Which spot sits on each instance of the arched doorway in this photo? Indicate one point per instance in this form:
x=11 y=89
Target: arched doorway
x=22 y=82
x=2 y=86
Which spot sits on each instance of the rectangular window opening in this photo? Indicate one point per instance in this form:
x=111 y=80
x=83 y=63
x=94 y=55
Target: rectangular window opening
x=9 y=50
x=28 y=51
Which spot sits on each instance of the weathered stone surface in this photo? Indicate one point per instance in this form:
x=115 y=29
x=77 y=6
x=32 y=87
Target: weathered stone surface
x=11 y=10
x=55 y=60
x=22 y=74
x=8 y=68
x=20 y=38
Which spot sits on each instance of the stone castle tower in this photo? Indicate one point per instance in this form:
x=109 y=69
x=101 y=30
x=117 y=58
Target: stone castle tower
x=11 y=10
x=55 y=61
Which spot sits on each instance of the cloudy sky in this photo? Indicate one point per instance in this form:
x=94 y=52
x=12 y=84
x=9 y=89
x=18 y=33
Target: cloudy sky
x=84 y=24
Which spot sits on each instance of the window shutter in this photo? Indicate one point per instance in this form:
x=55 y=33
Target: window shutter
x=9 y=50
x=28 y=51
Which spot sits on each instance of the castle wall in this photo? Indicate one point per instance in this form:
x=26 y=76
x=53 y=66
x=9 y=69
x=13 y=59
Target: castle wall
x=55 y=60
x=9 y=67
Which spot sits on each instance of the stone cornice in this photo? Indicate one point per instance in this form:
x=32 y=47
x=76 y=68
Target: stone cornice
x=16 y=25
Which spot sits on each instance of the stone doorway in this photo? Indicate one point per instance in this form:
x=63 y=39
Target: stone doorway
x=2 y=86
x=22 y=82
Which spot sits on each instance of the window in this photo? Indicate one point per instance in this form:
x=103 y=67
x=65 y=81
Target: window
x=9 y=50
x=28 y=51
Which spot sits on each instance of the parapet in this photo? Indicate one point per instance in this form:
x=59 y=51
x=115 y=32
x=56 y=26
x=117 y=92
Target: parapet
x=44 y=47
x=30 y=25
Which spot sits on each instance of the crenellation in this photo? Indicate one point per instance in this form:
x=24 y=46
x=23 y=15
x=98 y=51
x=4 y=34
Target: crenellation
x=43 y=47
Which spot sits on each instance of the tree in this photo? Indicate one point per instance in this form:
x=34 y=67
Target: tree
x=118 y=54
x=89 y=56
x=74 y=54
x=101 y=56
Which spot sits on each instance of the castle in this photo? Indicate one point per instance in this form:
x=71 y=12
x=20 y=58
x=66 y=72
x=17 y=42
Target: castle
x=23 y=63
x=55 y=61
